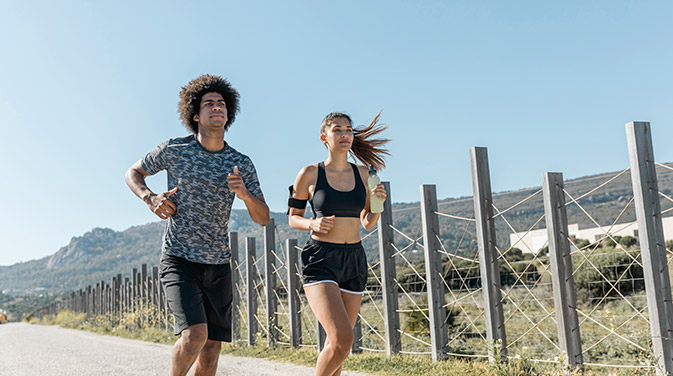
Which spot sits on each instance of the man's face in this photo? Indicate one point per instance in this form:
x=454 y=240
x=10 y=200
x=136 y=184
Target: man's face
x=212 y=111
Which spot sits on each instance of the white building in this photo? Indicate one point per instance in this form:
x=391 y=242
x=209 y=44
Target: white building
x=532 y=241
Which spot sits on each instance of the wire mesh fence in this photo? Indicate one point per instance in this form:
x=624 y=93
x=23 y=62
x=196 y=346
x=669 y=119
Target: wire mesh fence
x=452 y=285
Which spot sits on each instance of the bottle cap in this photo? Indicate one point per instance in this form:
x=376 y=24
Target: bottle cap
x=372 y=170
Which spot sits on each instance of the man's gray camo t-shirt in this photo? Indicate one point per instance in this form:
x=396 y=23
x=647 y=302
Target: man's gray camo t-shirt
x=198 y=230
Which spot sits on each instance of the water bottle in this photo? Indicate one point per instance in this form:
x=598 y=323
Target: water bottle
x=376 y=205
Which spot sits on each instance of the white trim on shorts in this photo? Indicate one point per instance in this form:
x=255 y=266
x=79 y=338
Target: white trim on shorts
x=340 y=289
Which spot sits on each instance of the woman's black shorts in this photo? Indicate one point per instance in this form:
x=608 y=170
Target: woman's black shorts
x=342 y=264
x=198 y=294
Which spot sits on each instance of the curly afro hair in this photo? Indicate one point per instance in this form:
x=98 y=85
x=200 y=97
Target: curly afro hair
x=190 y=99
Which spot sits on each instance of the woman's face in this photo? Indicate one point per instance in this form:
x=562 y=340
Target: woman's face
x=339 y=135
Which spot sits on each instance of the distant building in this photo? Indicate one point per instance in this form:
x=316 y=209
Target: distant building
x=531 y=242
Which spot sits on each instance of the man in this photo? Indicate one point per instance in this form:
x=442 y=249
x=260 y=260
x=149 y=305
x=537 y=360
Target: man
x=204 y=174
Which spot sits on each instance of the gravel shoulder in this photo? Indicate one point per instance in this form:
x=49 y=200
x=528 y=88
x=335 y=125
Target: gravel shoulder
x=51 y=350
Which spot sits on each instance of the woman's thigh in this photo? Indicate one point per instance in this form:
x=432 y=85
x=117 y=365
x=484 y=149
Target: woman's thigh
x=328 y=305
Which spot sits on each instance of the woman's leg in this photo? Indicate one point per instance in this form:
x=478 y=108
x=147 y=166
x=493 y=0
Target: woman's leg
x=328 y=306
x=352 y=304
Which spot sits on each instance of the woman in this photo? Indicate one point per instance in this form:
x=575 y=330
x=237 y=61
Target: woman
x=334 y=263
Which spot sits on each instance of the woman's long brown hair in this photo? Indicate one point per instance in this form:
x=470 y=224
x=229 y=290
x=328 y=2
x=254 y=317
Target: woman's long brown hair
x=368 y=151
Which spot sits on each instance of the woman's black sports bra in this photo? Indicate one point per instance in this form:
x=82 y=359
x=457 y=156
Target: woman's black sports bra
x=328 y=201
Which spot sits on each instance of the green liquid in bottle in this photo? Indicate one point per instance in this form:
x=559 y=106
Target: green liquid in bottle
x=376 y=205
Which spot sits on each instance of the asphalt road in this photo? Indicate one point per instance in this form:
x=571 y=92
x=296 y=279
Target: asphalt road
x=51 y=350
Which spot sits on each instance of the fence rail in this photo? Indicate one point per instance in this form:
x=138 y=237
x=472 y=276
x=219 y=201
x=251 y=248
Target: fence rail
x=452 y=302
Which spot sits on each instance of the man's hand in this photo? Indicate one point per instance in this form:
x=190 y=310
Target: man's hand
x=236 y=185
x=322 y=224
x=161 y=205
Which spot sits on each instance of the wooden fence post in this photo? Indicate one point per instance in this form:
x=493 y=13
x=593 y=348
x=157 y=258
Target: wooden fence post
x=356 y=348
x=252 y=288
x=156 y=294
x=134 y=291
x=321 y=335
x=561 y=268
x=488 y=256
x=118 y=296
x=235 y=279
x=439 y=334
x=293 y=292
x=113 y=299
x=270 y=282
x=127 y=295
x=89 y=302
x=143 y=288
x=101 y=298
x=652 y=245
x=388 y=276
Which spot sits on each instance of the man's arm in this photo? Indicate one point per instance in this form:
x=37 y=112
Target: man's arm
x=257 y=208
x=159 y=204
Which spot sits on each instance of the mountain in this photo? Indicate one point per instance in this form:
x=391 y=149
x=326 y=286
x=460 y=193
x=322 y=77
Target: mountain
x=101 y=253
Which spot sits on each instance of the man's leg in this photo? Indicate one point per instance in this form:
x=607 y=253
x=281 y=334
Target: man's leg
x=206 y=363
x=188 y=347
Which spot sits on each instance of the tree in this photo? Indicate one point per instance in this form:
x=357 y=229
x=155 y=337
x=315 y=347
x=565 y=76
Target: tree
x=628 y=241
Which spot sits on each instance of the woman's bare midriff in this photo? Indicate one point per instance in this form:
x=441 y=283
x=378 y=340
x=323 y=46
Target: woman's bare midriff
x=345 y=230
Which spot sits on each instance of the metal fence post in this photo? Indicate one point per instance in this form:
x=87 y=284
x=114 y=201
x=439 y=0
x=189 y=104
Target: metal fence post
x=652 y=245
x=293 y=292
x=270 y=282
x=488 y=256
x=235 y=278
x=561 y=268
x=251 y=288
x=439 y=334
x=388 y=276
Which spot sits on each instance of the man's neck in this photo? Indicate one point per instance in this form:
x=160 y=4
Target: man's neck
x=211 y=141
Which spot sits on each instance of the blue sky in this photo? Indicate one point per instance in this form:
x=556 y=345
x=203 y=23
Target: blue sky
x=87 y=88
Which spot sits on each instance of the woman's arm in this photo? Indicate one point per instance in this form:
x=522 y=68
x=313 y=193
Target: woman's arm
x=307 y=177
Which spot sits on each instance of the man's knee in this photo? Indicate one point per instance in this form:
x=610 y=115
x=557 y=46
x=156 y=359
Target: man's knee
x=195 y=337
x=209 y=355
x=211 y=350
x=212 y=347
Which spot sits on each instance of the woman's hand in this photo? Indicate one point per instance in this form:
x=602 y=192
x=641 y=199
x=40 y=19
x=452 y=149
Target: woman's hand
x=322 y=225
x=380 y=192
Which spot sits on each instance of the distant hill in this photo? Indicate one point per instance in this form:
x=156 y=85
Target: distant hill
x=101 y=253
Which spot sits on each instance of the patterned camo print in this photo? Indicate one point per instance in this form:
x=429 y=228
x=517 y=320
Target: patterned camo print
x=198 y=231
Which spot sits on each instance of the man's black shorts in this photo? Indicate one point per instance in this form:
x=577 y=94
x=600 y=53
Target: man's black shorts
x=342 y=264
x=198 y=294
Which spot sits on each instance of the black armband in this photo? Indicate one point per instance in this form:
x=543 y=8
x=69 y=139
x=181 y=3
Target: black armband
x=295 y=203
